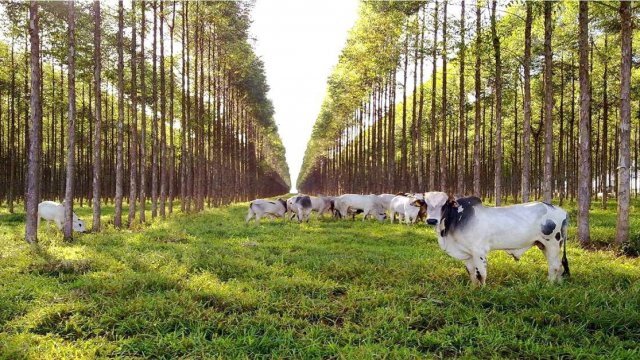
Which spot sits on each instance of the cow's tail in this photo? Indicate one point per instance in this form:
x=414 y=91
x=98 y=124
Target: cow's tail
x=565 y=261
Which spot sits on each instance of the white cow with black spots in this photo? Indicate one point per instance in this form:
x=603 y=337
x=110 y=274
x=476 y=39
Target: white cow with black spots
x=468 y=231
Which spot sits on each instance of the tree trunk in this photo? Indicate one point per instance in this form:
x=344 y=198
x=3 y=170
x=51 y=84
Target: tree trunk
x=526 y=134
x=97 y=132
x=32 y=197
x=117 y=221
x=498 y=84
x=476 y=130
x=460 y=188
x=626 y=33
x=584 y=166
x=71 y=126
x=143 y=125
x=548 y=105
x=433 y=129
x=445 y=185
x=163 y=128
x=133 y=127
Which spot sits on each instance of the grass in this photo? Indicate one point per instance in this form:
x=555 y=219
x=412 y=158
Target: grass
x=207 y=285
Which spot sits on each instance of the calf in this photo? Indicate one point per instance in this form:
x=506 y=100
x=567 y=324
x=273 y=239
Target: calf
x=368 y=204
x=408 y=209
x=53 y=211
x=300 y=206
x=261 y=207
x=467 y=231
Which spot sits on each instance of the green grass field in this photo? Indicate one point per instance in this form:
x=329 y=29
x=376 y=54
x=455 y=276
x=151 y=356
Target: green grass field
x=207 y=285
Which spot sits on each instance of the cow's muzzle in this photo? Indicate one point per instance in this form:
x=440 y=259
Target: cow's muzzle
x=432 y=221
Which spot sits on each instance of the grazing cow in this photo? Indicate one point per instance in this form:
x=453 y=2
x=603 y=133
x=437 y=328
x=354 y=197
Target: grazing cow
x=53 y=211
x=261 y=207
x=368 y=204
x=467 y=231
x=300 y=206
x=385 y=200
x=408 y=208
x=321 y=204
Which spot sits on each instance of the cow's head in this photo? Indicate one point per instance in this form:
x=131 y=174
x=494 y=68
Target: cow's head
x=78 y=225
x=381 y=215
x=435 y=201
x=283 y=203
x=422 y=205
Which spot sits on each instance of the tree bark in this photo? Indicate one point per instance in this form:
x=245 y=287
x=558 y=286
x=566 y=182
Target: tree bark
x=133 y=127
x=526 y=134
x=584 y=166
x=35 y=138
x=433 y=129
x=548 y=105
x=476 y=137
x=498 y=108
x=626 y=33
x=71 y=124
x=460 y=188
x=97 y=132
x=117 y=221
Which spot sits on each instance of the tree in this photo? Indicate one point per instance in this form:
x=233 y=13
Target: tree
x=584 y=166
x=120 y=124
x=35 y=125
x=460 y=187
x=97 y=127
x=548 y=105
x=71 y=125
x=526 y=133
x=498 y=106
x=624 y=188
x=478 y=94
x=133 y=126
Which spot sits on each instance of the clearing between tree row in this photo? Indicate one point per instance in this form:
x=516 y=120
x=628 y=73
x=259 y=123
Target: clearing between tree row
x=208 y=285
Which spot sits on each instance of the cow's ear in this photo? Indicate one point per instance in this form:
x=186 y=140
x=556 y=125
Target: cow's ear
x=415 y=203
x=452 y=201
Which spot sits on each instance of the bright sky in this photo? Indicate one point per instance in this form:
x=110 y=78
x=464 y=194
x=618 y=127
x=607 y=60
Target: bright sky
x=299 y=42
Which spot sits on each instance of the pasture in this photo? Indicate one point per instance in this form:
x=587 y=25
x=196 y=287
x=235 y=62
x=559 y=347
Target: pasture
x=207 y=285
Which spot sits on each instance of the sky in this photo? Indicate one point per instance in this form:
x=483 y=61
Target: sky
x=299 y=42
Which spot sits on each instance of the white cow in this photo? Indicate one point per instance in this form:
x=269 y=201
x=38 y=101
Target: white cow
x=53 y=211
x=321 y=204
x=408 y=208
x=261 y=207
x=386 y=200
x=300 y=206
x=368 y=204
x=468 y=231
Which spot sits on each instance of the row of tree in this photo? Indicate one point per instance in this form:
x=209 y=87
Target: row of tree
x=164 y=100
x=512 y=106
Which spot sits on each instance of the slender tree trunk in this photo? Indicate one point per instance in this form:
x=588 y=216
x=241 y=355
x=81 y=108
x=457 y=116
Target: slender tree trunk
x=445 y=185
x=584 y=166
x=604 y=170
x=32 y=197
x=460 y=188
x=626 y=33
x=526 y=134
x=97 y=135
x=117 y=221
x=476 y=137
x=163 y=128
x=71 y=124
x=154 y=119
x=548 y=105
x=498 y=84
x=133 y=128
x=433 y=130
x=143 y=125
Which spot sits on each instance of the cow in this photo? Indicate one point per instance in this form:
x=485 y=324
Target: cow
x=386 y=200
x=468 y=231
x=368 y=204
x=408 y=208
x=53 y=211
x=261 y=207
x=321 y=204
x=300 y=206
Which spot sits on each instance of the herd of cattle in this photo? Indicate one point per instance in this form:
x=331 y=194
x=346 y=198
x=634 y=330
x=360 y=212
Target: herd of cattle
x=465 y=229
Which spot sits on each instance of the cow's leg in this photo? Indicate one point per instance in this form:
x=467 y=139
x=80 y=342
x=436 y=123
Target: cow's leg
x=366 y=213
x=59 y=223
x=553 y=252
x=477 y=269
x=392 y=216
